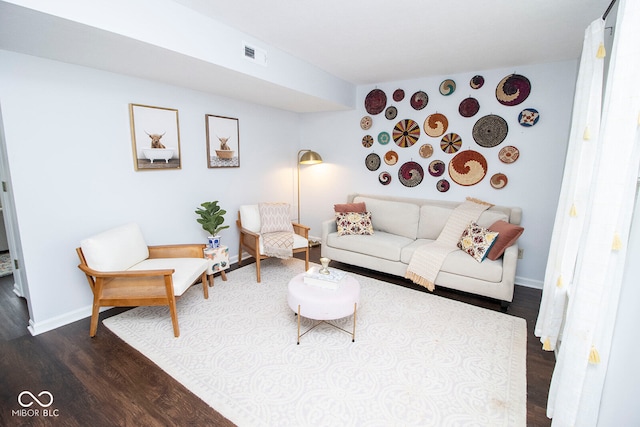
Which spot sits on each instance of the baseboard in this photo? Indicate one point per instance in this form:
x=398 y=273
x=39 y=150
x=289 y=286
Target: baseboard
x=529 y=283
x=36 y=328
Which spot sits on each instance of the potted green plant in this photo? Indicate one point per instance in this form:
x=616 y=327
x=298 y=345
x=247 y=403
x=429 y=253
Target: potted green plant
x=211 y=219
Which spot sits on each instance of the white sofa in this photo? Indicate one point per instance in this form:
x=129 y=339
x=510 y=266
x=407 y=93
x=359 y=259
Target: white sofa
x=403 y=224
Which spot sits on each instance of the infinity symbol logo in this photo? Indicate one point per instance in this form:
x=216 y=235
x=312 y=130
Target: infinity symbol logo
x=35 y=399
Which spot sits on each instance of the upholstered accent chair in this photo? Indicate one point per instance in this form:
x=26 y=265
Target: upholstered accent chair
x=123 y=271
x=252 y=229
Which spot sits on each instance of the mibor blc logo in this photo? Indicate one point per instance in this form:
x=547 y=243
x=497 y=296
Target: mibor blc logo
x=35 y=406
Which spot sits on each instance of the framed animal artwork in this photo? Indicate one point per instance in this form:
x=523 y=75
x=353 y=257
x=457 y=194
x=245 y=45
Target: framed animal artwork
x=223 y=141
x=155 y=135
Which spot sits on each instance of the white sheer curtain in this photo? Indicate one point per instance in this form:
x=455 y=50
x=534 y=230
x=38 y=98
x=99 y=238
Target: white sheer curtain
x=587 y=256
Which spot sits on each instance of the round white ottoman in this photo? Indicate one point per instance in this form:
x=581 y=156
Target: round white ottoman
x=318 y=303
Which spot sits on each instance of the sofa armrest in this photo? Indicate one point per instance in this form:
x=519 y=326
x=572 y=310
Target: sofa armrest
x=328 y=226
x=509 y=266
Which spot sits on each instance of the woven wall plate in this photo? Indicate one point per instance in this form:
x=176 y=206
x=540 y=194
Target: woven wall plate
x=384 y=138
x=398 y=95
x=366 y=122
x=372 y=161
x=367 y=141
x=391 y=158
x=437 y=168
x=443 y=186
x=490 y=131
x=375 y=101
x=513 y=90
x=391 y=112
x=406 y=133
x=384 y=178
x=469 y=107
x=476 y=82
x=426 y=150
x=468 y=167
x=447 y=87
x=499 y=181
x=436 y=124
x=419 y=100
x=528 y=117
x=509 y=154
x=451 y=143
x=410 y=174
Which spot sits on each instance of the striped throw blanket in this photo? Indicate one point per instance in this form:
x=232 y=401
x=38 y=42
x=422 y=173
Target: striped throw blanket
x=427 y=259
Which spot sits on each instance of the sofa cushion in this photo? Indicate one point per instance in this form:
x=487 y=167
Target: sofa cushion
x=432 y=221
x=509 y=233
x=393 y=217
x=187 y=270
x=458 y=262
x=381 y=244
x=476 y=241
x=489 y=217
x=354 y=223
x=350 y=207
x=115 y=250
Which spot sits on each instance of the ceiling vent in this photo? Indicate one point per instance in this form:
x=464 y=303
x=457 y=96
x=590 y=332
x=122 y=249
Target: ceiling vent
x=254 y=54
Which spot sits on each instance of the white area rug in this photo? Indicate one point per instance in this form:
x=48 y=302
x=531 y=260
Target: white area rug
x=418 y=359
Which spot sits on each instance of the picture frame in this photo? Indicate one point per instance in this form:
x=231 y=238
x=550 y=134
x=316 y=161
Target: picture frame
x=155 y=136
x=223 y=141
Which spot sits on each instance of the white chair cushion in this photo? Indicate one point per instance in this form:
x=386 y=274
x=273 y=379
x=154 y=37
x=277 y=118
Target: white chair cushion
x=298 y=242
x=187 y=270
x=250 y=217
x=117 y=249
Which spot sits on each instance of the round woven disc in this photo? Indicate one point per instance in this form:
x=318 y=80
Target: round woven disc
x=406 y=133
x=468 y=167
x=436 y=124
x=490 y=131
x=499 y=181
x=384 y=178
x=410 y=174
x=451 y=143
x=509 y=154
x=437 y=168
x=469 y=107
x=367 y=141
x=375 y=101
x=372 y=161
x=513 y=90
x=391 y=158
x=419 y=100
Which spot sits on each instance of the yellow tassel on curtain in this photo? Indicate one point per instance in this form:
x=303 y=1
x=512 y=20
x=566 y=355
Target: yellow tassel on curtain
x=573 y=211
x=617 y=243
x=546 y=346
x=602 y=52
x=559 y=281
x=594 y=356
x=587 y=133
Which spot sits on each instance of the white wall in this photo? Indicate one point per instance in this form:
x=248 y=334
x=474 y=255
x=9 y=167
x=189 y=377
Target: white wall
x=69 y=148
x=534 y=179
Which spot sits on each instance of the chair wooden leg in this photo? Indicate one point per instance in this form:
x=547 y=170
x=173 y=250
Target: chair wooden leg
x=95 y=314
x=306 y=260
x=174 y=317
x=240 y=252
x=258 y=267
x=205 y=287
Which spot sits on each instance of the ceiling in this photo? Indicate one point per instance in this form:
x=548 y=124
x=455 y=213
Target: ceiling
x=362 y=42
x=374 y=41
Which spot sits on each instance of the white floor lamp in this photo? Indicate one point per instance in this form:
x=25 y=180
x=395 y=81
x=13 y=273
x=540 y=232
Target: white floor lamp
x=308 y=157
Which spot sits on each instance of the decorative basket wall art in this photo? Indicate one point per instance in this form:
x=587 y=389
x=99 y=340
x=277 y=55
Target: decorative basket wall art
x=476 y=82
x=469 y=107
x=447 y=87
x=451 y=143
x=375 y=102
x=384 y=178
x=406 y=133
x=528 y=117
x=372 y=161
x=419 y=100
x=513 y=90
x=410 y=174
x=499 y=181
x=436 y=125
x=489 y=131
x=468 y=168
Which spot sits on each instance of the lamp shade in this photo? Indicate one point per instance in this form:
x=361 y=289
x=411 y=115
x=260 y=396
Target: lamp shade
x=310 y=158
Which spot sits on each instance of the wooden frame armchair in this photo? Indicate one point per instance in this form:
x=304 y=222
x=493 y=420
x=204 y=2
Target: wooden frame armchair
x=123 y=271
x=248 y=223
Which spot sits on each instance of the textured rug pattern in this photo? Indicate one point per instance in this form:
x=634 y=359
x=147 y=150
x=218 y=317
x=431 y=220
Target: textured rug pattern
x=418 y=359
x=5 y=264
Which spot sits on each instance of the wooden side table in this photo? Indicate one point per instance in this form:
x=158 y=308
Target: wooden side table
x=218 y=262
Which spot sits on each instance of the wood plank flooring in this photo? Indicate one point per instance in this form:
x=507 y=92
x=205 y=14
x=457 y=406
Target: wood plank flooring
x=102 y=381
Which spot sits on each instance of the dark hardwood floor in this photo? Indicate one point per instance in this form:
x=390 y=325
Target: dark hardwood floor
x=102 y=381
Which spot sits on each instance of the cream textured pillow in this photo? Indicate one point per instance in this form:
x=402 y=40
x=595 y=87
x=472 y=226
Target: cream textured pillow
x=350 y=223
x=477 y=240
x=275 y=217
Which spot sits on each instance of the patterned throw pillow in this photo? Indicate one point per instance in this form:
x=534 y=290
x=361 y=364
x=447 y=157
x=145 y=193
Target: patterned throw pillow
x=477 y=240
x=354 y=223
x=275 y=217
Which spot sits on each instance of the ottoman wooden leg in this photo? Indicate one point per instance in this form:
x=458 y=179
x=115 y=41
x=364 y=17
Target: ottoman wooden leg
x=298 y=324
